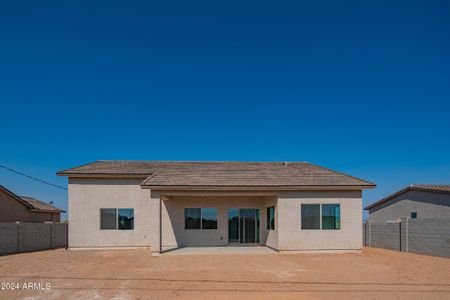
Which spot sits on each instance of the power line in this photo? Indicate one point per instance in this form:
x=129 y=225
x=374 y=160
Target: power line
x=34 y=178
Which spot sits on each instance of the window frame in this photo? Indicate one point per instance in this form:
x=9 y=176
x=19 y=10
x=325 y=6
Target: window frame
x=269 y=224
x=201 y=218
x=116 y=218
x=320 y=216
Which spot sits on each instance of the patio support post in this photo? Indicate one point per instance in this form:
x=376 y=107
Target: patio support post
x=155 y=234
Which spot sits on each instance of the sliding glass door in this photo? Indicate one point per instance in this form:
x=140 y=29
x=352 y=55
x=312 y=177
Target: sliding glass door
x=233 y=225
x=243 y=225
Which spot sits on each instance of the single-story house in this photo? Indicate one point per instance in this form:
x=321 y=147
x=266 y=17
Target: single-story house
x=414 y=201
x=14 y=208
x=287 y=206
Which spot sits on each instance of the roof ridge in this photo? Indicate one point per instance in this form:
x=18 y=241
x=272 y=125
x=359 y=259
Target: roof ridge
x=428 y=184
x=148 y=178
x=199 y=161
x=341 y=173
x=86 y=164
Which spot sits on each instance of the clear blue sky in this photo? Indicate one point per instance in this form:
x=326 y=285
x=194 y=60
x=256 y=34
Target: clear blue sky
x=359 y=86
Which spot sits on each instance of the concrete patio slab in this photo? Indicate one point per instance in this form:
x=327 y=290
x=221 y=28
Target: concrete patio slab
x=220 y=250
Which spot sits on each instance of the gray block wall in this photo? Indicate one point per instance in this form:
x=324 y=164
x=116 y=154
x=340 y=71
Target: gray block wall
x=422 y=236
x=25 y=237
x=8 y=238
x=385 y=235
x=428 y=236
x=59 y=235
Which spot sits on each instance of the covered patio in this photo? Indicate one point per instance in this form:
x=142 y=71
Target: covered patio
x=215 y=222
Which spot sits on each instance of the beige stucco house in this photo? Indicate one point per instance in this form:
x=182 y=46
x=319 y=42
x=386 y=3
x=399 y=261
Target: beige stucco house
x=162 y=205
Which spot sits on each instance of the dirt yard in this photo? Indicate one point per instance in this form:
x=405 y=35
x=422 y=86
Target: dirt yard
x=134 y=274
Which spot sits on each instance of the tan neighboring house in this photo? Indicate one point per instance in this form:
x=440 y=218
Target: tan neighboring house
x=287 y=206
x=15 y=208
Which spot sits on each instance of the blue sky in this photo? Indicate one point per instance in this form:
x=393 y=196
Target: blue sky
x=358 y=86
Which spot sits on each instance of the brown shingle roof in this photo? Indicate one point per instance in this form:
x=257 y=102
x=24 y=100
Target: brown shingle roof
x=40 y=205
x=32 y=203
x=432 y=188
x=173 y=173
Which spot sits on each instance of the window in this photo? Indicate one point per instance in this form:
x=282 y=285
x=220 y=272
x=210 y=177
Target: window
x=117 y=218
x=192 y=218
x=310 y=216
x=108 y=218
x=331 y=216
x=271 y=218
x=126 y=218
x=414 y=215
x=209 y=218
x=200 y=218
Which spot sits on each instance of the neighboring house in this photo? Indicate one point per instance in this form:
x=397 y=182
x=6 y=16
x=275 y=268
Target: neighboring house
x=26 y=209
x=415 y=201
x=294 y=206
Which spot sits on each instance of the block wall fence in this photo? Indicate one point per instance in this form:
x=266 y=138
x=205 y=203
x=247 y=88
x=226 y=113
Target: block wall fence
x=422 y=236
x=20 y=237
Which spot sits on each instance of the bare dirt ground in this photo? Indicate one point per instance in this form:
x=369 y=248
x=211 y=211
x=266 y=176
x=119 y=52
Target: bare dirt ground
x=134 y=274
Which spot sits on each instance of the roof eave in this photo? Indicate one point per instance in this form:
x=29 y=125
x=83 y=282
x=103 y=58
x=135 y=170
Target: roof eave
x=104 y=175
x=387 y=198
x=47 y=210
x=257 y=188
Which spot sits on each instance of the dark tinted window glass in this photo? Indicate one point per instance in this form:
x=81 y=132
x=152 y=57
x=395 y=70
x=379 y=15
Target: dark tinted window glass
x=414 y=215
x=233 y=225
x=108 y=218
x=209 y=218
x=192 y=218
x=331 y=216
x=271 y=217
x=257 y=225
x=310 y=216
x=126 y=218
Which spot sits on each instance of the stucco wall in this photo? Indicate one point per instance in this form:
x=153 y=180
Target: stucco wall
x=272 y=235
x=87 y=196
x=175 y=235
x=12 y=210
x=427 y=205
x=292 y=237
